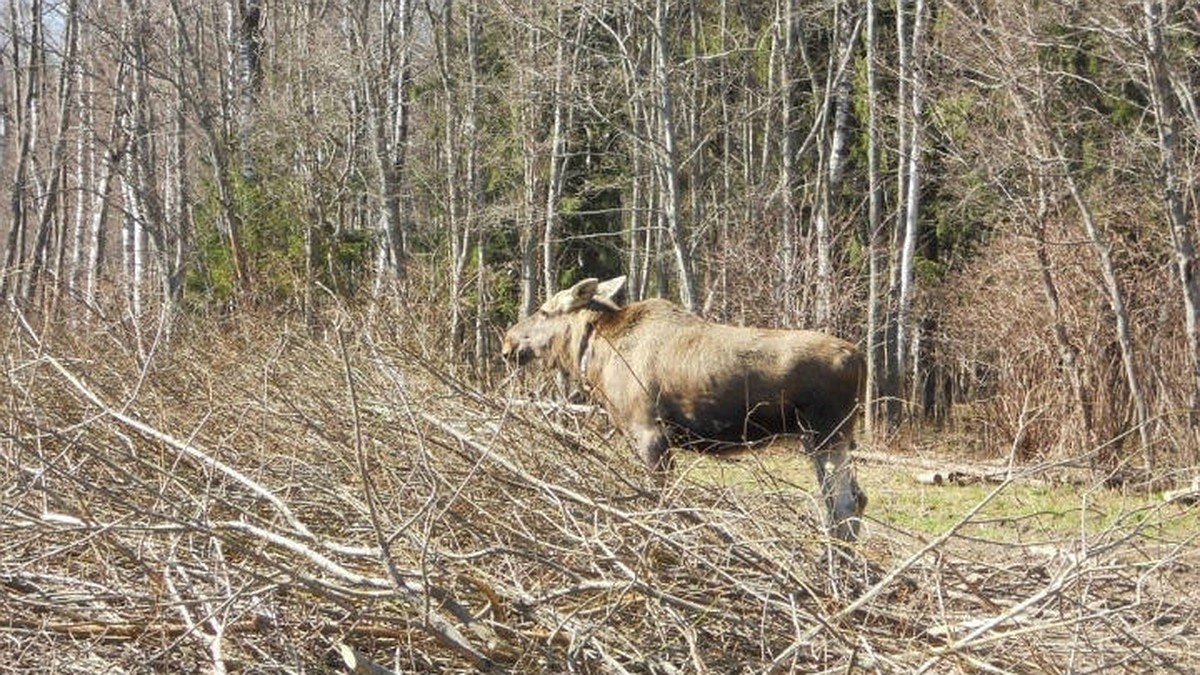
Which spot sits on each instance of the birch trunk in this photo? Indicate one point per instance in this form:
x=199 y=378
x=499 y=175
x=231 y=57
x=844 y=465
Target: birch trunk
x=893 y=380
x=912 y=196
x=557 y=160
x=473 y=223
x=27 y=115
x=668 y=163
x=84 y=169
x=249 y=76
x=785 y=46
x=1166 y=116
x=874 y=225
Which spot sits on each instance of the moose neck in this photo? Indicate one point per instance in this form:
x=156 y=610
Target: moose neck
x=585 y=349
x=596 y=312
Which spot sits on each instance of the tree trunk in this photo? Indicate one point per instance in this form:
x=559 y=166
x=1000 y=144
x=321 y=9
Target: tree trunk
x=116 y=142
x=874 y=225
x=557 y=160
x=52 y=191
x=249 y=76
x=785 y=45
x=473 y=225
x=27 y=88
x=668 y=163
x=176 y=221
x=1068 y=353
x=912 y=197
x=1166 y=117
x=457 y=230
x=386 y=94
x=640 y=231
x=837 y=109
x=84 y=169
x=527 y=239
x=1116 y=301
x=893 y=360
x=724 y=198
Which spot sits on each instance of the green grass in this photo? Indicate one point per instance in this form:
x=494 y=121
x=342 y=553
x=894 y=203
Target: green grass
x=1022 y=512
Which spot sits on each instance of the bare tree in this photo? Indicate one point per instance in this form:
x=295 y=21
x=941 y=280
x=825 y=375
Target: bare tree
x=28 y=58
x=557 y=158
x=386 y=83
x=912 y=73
x=1116 y=299
x=1174 y=186
x=1046 y=131
x=111 y=151
x=526 y=234
x=874 y=224
x=1025 y=101
x=667 y=156
x=786 y=44
x=52 y=190
x=205 y=92
x=249 y=78
x=643 y=220
x=84 y=165
x=176 y=228
x=474 y=229
x=136 y=180
x=834 y=118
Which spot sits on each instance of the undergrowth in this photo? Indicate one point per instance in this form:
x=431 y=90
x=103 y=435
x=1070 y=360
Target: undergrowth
x=254 y=495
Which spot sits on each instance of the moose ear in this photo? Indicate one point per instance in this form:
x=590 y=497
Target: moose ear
x=609 y=289
x=571 y=299
x=611 y=293
x=583 y=292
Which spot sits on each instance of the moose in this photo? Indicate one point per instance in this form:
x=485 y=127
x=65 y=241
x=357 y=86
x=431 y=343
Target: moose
x=669 y=378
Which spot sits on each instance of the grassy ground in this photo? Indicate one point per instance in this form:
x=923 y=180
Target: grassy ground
x=1034 y=509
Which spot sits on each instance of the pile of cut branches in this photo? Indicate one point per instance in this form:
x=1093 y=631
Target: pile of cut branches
x=253 y=499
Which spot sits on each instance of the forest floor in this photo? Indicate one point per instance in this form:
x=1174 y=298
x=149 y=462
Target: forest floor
x=250 y=496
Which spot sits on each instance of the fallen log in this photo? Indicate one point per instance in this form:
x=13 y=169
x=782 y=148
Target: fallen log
x=954 y=477
x=1189 y=494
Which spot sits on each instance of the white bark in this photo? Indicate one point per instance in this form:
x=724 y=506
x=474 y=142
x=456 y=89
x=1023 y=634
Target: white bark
x=668 y=163
x=785 y=46
x=874 y=220
x=1167 y=116
x=557 y=159
x=912 y=197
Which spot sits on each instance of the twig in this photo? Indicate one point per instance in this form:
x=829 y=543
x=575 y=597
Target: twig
x=360 y=663
x=439 y=627
x=190 y=450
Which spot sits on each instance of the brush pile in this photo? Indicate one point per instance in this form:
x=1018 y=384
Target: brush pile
x=242 y=499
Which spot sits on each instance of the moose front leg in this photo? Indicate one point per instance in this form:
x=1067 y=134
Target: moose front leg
x=845 y=501
x=650 y=444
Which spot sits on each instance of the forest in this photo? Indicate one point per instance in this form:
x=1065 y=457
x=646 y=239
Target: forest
x=258 y=257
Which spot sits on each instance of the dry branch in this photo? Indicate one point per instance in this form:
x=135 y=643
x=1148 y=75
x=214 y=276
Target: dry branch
x=359 y=663
x=222 y=516
x=187 y=449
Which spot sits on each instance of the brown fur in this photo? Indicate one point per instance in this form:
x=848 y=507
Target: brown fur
x=669 y=378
